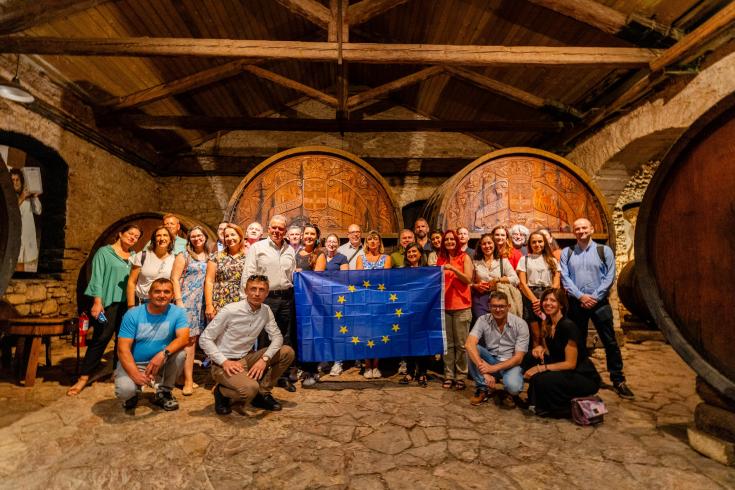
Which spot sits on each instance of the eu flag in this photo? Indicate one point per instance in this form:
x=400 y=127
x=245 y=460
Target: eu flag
x=342 y=315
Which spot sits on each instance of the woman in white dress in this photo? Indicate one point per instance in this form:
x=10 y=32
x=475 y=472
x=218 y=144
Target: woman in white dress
x=29 y=205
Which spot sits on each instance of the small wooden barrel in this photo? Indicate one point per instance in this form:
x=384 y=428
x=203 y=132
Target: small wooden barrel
x=9 y=228
x=520 y=185
x=685 y=248
x=147 y=222
x=630 y=292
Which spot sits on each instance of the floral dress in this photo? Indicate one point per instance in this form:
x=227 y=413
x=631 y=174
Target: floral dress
x=192 y=293
x=227 y=279
x=378 y=264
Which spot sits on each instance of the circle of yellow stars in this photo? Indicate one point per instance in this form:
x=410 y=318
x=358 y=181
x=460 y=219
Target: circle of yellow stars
x=341 y=299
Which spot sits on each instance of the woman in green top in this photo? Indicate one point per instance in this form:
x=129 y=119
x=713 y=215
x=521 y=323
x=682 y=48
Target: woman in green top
x=110 y=270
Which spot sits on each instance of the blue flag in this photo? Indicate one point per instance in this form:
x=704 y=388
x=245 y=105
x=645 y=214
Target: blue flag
x=343 y=315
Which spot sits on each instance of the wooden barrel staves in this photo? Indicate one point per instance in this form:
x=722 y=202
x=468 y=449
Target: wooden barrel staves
x=9 y=229
x=629 y=291
x=520 y=185
x=685 y=247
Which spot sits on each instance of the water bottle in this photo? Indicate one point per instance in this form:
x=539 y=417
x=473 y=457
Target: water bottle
x=101 y=318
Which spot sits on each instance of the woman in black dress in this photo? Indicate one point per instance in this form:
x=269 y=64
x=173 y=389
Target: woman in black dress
x=563 y=370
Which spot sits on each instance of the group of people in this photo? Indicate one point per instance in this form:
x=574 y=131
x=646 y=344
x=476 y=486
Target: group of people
x=516 y=307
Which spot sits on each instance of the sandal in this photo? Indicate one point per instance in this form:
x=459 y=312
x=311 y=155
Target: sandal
x=406 y=379
x=460 y=385
x=448 y=383
x=422 y=381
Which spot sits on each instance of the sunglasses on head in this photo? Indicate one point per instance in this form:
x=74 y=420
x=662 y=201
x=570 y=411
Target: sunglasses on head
x=258 y=277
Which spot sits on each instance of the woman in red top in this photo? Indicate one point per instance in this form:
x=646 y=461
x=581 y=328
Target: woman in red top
x=457 y=308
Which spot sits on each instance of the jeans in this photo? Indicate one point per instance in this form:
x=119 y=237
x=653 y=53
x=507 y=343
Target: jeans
x=512 y=378
x=125 y=388
x=602 y=317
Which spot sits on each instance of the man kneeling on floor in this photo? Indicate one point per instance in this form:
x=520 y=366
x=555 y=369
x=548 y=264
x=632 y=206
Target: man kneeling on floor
x=150 y=348
x=505 y=336
x=240 y=374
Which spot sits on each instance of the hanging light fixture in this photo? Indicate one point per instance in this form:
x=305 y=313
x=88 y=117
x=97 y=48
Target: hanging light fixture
x=14 y=91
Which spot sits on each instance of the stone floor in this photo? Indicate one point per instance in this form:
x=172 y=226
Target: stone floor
x=349 y=434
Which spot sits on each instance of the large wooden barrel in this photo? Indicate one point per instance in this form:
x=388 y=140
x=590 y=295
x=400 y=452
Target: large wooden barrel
x=519 y=185
x=630 y=294
x=147 y=222
x=325 y=186
x=685 y=250
x=9 y=228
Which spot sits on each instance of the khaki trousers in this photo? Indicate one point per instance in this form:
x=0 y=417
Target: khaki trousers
x=241 y=387
x=457 y=324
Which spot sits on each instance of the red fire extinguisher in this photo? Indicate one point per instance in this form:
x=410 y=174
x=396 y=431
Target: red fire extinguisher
x=83 y=327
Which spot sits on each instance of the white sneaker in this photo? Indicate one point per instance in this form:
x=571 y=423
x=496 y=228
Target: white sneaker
x=368 y=374
x=336 y=369
x=402 y=368
x=377 y=374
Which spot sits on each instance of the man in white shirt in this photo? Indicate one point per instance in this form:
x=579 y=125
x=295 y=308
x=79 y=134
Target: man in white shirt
x=240 y=373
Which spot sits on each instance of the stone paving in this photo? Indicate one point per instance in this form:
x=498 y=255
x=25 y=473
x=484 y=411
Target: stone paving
x=349 y=434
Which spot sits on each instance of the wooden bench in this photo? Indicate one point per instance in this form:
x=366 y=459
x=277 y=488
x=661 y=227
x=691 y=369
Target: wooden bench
x=31 y=332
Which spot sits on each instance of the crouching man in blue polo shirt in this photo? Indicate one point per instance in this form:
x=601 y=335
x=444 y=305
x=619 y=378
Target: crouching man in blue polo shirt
x=150 y=348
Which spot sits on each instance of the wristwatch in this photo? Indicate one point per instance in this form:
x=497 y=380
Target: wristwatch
x=266 y=359
x=166 y=353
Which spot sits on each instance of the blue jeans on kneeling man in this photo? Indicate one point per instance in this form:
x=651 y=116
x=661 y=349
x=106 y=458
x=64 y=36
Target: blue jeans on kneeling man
x=512 y=378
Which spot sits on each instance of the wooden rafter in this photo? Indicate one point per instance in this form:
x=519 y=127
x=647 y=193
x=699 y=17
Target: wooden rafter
x=173 y=87
x=326 y=51
x=311 y=10
x=607 y=19
x=375 y=93
x=339 y=32
x=365 y=10
x=325 y=125
x=510 y=92
x=40 y=12
x=291 y=84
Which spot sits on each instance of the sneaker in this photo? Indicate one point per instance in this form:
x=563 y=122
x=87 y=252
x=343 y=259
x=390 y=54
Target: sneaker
x=221 y=402
x=309 y=381
x=368 y=374
x=165 y=400
x=623 y=391
x=480 y=396
x=377 y=374
x=266 y=402
x=336 y=369
x=402 y=368
x=130 y=403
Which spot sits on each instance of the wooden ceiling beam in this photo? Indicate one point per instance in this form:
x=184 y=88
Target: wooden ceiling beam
x=174 y=87
x=611 y=21
x=290 y=84
x=512 y=93
x=40 y=12
x=339 y=32
x=370 y=95
x=311 y=10
x=326 y=51
x=365 y=10
x=324 y=125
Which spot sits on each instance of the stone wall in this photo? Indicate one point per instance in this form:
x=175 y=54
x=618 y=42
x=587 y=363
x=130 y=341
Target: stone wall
x=101 y=190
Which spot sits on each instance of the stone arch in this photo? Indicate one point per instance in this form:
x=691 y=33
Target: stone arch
x=329 y=187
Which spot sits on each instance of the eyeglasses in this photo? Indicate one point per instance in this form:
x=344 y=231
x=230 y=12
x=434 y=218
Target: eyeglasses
x=353 y=232
x=258 y=277
x=498 y=307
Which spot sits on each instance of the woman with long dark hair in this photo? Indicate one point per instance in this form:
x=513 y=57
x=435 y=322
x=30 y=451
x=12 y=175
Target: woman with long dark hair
x=187 y=275
x=110 y=271
x=489 y=270
x=224 y=272
x=537 y=271
x=416 y=367
x=457 y=308
x=564 y=370
x=154 y=262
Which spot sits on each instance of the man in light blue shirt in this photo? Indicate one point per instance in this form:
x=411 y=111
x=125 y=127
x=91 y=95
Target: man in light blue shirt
x=588 y=273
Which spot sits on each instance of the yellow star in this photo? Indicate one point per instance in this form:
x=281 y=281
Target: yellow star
x=396 y=327
x=393 y=297
x=338 y=315
x=343 y=329
x=371 y=344
x=399 y=312
x=386 y=339
x=381 y=287
x=351 y=288
x=341 y=299
x=366 y=284
x=355 y=340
